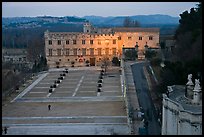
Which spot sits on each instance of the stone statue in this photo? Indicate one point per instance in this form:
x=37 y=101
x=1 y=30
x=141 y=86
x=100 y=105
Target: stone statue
x=197 y=85
x=190 y=83
x=170 y=89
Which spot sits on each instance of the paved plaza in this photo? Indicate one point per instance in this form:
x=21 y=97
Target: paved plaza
x=76 y=106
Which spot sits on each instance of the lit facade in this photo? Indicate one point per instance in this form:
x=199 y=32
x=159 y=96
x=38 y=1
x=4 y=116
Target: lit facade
x=94 y=44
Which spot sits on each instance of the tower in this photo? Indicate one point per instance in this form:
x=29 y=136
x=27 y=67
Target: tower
x=87 y=27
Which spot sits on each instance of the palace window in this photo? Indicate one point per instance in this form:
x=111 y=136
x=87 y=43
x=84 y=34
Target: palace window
x=91 y=51
x=83 y=42
x=99 y=51
x=59 y=42
x=129 y=38
x=84 y=51
x=59 y=53
x=50 y=42
x=75 y=51
x=50 y=52
x=91 y=41
x=99 y=42
x=140 y=38
x=150 y=38
x=67 y=42
x=67 y=52
x=114 y=51
x=74 y=42
x=114 y=41
x=107 y=51
x=119 y=38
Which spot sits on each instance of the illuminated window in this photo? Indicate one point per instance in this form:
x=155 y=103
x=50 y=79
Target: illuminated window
x=107 y=51
x=99 y=51
x=84 y=51
x=114 y=51
x=99 y=42
x=91 y=51
x=83 y=42
x=114 y=41
x=91 y=41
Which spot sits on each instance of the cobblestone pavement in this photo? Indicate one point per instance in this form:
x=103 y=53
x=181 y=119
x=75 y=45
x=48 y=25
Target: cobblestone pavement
x=76 y=106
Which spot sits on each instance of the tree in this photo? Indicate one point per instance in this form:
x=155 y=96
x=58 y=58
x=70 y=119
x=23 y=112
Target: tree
x=129 y=23
x=130 y=54
x=162 y=45
x=150 y=54
x=87 y=63
x=115 y=61
x=188 y=36
x=105 y=63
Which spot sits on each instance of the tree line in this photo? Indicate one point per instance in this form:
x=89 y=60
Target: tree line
x=187 y=56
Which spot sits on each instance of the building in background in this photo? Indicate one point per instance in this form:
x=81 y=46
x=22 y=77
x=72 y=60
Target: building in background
x=17 y=57
x=64 y=48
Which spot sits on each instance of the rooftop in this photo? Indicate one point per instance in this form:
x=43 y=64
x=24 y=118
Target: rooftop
x=178 y=95
x=125 y=29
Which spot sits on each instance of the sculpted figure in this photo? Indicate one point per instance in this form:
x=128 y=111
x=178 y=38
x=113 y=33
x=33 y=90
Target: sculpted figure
x=190 y=80
x=197 y=84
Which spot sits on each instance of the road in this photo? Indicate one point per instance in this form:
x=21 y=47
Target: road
x=144 y=98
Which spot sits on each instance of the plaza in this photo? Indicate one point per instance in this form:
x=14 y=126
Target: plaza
x=76 y=106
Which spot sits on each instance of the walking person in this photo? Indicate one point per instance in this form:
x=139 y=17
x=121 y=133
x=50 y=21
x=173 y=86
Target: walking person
x=5 y=130
x=49 y=107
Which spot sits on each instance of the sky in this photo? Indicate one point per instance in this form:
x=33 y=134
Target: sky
x=80 y=9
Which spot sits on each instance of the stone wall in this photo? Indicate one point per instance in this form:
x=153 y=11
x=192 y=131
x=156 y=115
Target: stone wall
x=110 y=45
x=177 y=121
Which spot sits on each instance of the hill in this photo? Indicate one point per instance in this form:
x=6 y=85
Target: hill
x=144 y=20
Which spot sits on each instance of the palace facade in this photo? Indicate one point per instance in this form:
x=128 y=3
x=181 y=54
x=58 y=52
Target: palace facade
x=94 y=44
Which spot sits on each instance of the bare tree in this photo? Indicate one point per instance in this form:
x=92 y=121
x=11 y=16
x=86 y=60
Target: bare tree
x=105 y=63
x=129 y=23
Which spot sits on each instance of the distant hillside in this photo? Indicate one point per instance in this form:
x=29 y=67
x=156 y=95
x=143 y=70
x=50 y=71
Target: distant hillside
x=34 y=22
x=143 y=19
x=167 y=24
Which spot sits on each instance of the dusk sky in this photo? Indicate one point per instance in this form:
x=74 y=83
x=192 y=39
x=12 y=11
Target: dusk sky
x=80 y=9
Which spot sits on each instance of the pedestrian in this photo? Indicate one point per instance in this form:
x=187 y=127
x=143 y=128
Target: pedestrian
x=49 y=107
x=5 y=130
